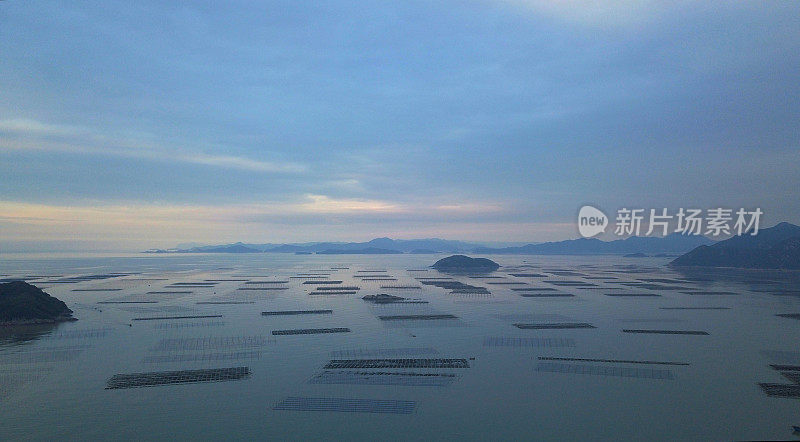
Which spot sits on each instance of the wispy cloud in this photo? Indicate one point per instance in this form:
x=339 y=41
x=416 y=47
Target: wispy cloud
x=136 y=226
x=26 y=134
x=275 y=221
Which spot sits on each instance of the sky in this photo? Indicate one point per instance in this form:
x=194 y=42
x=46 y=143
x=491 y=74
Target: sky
x=130 y=125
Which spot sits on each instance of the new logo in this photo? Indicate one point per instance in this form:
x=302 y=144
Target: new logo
x=591 y=221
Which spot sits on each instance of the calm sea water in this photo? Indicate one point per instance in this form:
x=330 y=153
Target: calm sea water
x=53 y=379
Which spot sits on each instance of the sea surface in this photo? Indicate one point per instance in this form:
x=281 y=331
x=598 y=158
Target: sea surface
x=600 y=348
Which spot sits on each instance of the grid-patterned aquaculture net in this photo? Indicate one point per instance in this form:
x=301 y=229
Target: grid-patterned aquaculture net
x=82 y=333
x=784 y=367
x=157 y=309
x=234 y=356
x=97 y=290
x=311 y=331
x=520 y=317
x=793 y=376
x=602 y=370
x=789 y=315
x=160 y=318
x=127 y=302
x=572 y=283
x=265 y=288
x=790 y=372
x=553 y=325
x=415 y=317
x=396 y=363
x=13 y=379
x=666 y=332
x=211 y=343
x=346 y=405
x=333 y=292
x=534 y=289
x=296 y=312
x=781 y=390
x=149 y=296
x=339 y=288
x=173 y=325
x=40 y=356
x=135 y=380
x=613 y=361
x=709 y=293
x=224 y=302
x=360 y=352
x=384 y=378
x=506 y=341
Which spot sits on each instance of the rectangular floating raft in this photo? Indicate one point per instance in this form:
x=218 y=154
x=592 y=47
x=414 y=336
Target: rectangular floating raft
x=158 y=318
x=263 y=288
x=415 y=317
x=311 y=331
x=781 y=367
x=135 y=380
x=127 y=302
x=781 y=390
x=408 y=379
x=168 y=292
x=346 y=405
x=506 y=341
x=534 y=289
x=332 y=292
x=667 y=332
x=96 y=290
x=789 y=315
x=296 y=312
x=615 y=361
x=603 y=370
x=403 y=351
x=553 y=325
x=339 y=288
x=202 y=357
x=708 y=293
x=211 y=343
x=396 y=363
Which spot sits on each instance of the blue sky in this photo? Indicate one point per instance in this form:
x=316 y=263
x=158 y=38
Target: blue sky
x=129 y=125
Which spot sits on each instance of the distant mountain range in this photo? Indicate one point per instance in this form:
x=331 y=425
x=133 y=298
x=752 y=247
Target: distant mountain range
x=671 y=244
x=776 y=247
x=674 y=243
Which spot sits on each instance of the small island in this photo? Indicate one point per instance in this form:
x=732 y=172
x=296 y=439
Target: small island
x=462 y=263
x=22 y=303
